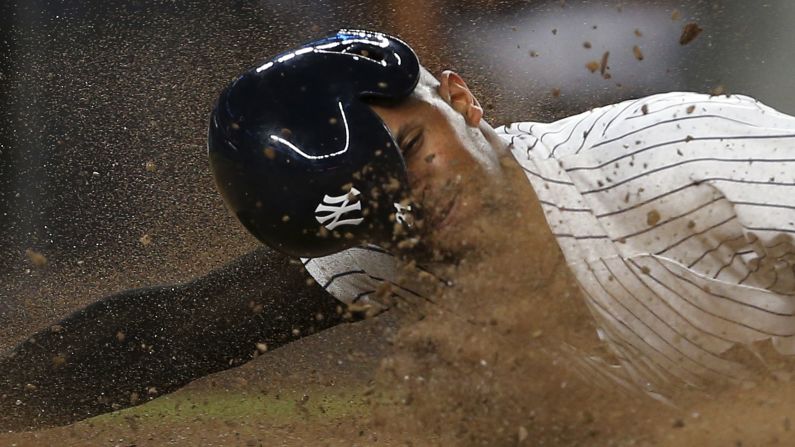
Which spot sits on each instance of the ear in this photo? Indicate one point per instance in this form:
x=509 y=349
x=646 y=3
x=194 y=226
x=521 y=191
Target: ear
x=455 y=92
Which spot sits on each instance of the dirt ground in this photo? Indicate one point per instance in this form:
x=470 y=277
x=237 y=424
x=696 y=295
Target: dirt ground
x=489 y=363
x=320 y=391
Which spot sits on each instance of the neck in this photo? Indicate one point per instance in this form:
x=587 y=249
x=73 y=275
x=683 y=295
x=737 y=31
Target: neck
x=518 y=226
x=497 y=143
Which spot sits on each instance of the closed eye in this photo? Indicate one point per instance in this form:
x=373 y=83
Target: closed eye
x=413 y=143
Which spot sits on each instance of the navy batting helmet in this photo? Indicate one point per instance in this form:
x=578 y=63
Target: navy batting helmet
x=304 y=163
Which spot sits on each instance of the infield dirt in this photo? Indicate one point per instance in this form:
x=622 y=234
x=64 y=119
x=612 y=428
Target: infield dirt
x=489 y=363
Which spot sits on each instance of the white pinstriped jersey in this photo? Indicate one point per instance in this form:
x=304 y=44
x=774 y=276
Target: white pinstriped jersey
x=354 y=276
x=676 y=213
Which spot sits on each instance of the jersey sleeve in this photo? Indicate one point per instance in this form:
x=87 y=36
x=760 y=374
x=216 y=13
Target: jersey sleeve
x=367 y=276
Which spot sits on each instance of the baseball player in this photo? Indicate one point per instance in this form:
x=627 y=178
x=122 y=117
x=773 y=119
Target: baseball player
x=672 y=211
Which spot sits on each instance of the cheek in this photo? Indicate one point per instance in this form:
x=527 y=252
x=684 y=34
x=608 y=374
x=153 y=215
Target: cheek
x=440 y=165
x=442 y=153
x=437 y=181
x=433 y=165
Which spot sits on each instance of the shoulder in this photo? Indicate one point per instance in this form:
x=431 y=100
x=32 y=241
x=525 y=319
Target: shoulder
x=694 y=103
x=663 y=115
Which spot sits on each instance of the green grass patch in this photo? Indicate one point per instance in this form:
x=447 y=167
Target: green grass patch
x=235 y=405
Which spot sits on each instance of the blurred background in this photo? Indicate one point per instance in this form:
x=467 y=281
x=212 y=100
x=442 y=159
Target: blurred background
x=104 y=183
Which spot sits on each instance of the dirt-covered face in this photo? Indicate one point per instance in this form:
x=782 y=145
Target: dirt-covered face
x=452 y=156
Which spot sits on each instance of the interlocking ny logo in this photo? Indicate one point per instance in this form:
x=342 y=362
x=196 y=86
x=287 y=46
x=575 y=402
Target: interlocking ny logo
x=337 y=207
x=403 y=214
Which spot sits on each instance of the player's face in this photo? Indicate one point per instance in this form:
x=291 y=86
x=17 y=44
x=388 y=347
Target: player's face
x=452 y=157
